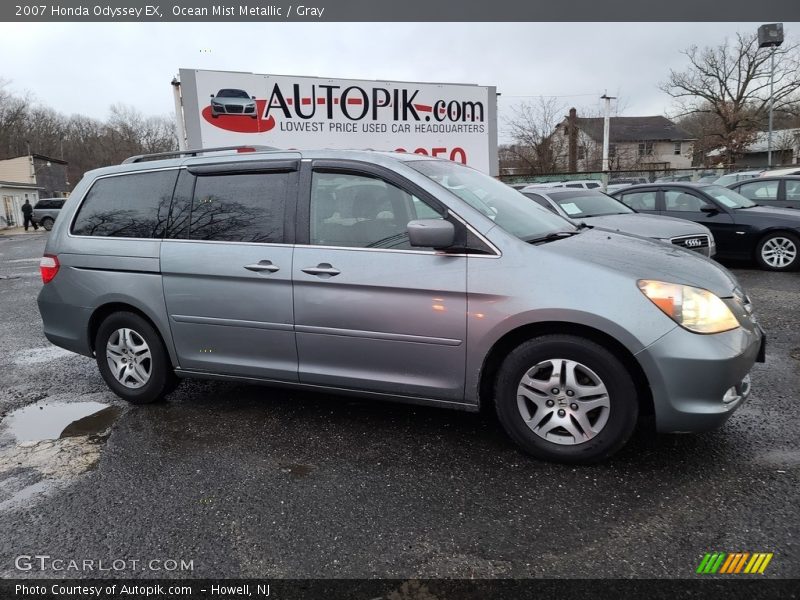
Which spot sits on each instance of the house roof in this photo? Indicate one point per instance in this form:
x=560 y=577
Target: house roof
x=782 y=139
x=633 y=129
x=19 y=185
x=58 y=161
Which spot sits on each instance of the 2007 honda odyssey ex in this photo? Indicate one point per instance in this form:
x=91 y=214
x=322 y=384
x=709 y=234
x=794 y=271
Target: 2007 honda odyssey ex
x=392 y=276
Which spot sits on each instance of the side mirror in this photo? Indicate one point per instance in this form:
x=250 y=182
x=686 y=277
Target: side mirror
x=252 y=97
x=431 y=233
x=212 y=95
x=711 y=210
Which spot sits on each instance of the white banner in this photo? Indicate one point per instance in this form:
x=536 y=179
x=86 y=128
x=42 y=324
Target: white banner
x=453 y=121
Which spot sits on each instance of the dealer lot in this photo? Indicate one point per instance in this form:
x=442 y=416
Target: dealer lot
x=248 y=481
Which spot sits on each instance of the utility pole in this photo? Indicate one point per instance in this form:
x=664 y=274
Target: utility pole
x=606 y=128
x=770 y=36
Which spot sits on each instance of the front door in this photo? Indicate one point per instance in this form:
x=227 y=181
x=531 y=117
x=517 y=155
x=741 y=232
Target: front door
x=227 y=271
x=371 y=312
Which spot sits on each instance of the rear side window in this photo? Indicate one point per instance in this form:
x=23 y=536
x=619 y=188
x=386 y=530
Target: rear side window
x=128 y=206
x=53 y=203
x=242 y=207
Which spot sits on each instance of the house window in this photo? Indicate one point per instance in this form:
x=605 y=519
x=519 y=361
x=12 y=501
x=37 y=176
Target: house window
x=612 y=150
x=581 y=152
x=677 y=149
x=646 y=149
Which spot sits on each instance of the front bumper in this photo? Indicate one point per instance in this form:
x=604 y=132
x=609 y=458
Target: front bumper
x=698 y=381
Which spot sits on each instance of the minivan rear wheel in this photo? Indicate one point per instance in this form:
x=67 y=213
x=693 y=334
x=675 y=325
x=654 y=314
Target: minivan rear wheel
x=132 y=359
x=47 y=223
x=566 y=398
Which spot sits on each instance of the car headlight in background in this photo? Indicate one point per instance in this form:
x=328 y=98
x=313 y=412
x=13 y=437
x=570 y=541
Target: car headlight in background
x=692 y=308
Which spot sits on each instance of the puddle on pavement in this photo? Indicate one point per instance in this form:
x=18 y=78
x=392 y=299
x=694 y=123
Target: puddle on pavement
x=50 y=443
x=57 y=420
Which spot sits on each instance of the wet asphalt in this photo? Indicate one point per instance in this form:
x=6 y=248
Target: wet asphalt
x=247 y=481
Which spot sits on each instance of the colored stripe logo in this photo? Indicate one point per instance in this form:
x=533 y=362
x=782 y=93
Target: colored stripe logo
x=734 y=563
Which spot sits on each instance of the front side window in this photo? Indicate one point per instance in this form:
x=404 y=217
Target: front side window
x=680 y=201
x=359 y=211
x=129 y=206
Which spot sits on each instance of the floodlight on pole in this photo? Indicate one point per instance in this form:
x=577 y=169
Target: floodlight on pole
x=606 y=128
x=770 y=36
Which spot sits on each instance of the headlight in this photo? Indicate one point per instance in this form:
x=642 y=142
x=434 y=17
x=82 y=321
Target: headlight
x=693 y=308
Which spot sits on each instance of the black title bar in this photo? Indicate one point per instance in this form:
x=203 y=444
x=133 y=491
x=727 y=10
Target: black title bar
x=394 y=11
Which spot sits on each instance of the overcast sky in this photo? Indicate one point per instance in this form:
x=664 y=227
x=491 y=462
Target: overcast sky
x=84 y=68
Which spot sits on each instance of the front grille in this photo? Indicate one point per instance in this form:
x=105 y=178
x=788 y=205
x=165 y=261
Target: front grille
x=250 y=109
x=698 y=243
x=233 y=108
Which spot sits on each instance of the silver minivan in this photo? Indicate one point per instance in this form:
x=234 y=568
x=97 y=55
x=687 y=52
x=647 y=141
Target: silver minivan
x=392 y=276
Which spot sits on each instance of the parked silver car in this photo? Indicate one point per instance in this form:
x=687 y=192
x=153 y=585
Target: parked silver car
x=233 y=102
x=392 y=276
x=600 y=210
x=46 y=210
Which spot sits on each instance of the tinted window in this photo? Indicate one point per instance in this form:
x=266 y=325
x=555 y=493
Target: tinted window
x=357 y=211
x=759 y=190
x=50 y=203
x=247 y=207
x=131 y=206
x=640 y=200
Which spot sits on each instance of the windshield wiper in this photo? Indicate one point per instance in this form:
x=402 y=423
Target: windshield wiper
x=551 y=237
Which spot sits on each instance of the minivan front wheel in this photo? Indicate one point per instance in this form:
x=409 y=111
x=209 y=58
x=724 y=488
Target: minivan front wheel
x=132 y=359
x=566 y=398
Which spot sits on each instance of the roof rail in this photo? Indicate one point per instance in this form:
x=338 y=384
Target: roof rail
x=195 y=152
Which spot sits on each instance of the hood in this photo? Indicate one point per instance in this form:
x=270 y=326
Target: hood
x=651 y=226
x=642 y=258
x=791 y=216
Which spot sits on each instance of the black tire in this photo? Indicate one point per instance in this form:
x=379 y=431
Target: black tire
x=47 y=223
x=162 y=379
x=621 y=397
x=780 y=241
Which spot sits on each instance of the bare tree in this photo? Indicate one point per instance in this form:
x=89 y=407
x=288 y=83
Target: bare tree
x=730 y=83
x=532 y=126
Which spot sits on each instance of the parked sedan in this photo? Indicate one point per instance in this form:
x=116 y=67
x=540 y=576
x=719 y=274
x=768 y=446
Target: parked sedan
x=783 y=192
x=599 y=210
x=741 y=228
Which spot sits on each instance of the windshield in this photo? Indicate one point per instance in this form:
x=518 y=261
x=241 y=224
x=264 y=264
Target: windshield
x=727 y=197
x=232 y=94
x=588 y=204
x=504 y=205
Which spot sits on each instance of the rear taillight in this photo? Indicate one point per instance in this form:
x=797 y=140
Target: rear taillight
x=48 y=267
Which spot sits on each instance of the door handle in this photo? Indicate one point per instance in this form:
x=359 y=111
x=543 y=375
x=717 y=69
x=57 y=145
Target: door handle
x=263 y=265
x=322 y=269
